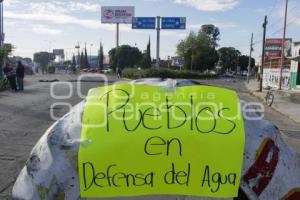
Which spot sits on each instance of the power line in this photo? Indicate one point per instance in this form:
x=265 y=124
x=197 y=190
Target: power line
x=280 y=29
x=274 y=6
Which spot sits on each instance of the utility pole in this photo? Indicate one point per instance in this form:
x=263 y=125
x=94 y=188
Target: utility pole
x=250 y=58
x=263 y=54
x=282 y=46
x=158 y=42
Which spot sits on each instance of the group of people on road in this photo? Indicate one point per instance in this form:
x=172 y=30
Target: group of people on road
x=15 y=77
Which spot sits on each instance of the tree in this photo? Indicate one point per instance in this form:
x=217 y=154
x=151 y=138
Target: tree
x=86 y=60
x=82 y=62
x=101 y=57
x=212 y=32
x=73 y=60
x=43 y=59
x=73 y=64
x=5 y=52
x=146 y=61
x=113 y=61
x=198 y=52
x=78 y=61
x=124 y=56
x=244 y=62
x=229 y=58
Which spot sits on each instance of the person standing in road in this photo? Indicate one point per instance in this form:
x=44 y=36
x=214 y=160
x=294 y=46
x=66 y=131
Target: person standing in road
x=20 y=75
x=11 y=76
x=119 y=73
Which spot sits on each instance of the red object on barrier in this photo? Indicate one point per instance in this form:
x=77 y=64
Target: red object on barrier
x=264 y=166
x=294 y=194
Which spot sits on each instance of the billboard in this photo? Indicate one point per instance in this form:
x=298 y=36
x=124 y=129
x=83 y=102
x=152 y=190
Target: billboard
x=59 y=52
x=117 y=14
x=273 y=48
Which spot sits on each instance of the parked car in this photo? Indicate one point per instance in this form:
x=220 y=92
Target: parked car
x=107 y=70
x=229 y=75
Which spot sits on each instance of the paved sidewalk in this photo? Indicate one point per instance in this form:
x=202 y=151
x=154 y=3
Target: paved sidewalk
x=285 y=102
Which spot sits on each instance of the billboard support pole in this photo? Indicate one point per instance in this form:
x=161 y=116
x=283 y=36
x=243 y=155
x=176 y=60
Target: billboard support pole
x=283 y=45
x=158 y=42
x=117 y=35
x=263 y=54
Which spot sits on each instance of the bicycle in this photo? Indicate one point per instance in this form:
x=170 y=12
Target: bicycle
x=269 y=98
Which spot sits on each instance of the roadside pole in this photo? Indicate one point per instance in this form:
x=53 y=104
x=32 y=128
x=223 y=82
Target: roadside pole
x=283 y=45
x=250 y=59
x=117 y=35
x=263 y=54
x=158 y=42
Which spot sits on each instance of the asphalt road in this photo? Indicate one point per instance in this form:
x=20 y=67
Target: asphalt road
x=24 y=117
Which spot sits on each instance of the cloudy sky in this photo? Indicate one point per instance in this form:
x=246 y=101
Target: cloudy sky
x=39 y=25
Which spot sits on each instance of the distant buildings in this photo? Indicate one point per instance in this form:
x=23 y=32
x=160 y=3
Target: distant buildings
x=177 y=62
x=272 y=64
x=27 y=62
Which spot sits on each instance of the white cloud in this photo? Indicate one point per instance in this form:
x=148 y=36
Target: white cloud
x=217 y=24
x=57 y=12
x=77 y=6
x=60 y=7
x=10 y=3
x=210 y=5
x=44 y=30
x=54 y=6
x=59 y=19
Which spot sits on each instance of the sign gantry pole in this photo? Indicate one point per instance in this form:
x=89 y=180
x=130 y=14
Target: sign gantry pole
x=158 y=42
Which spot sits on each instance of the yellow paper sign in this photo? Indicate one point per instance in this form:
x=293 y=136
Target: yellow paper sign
x=142 y=140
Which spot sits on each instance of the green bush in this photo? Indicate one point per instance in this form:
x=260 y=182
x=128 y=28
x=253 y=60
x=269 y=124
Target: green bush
x=3 y=84
x=134 y=73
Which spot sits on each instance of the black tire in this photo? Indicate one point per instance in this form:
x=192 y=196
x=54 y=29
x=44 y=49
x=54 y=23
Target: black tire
x=242 y=195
